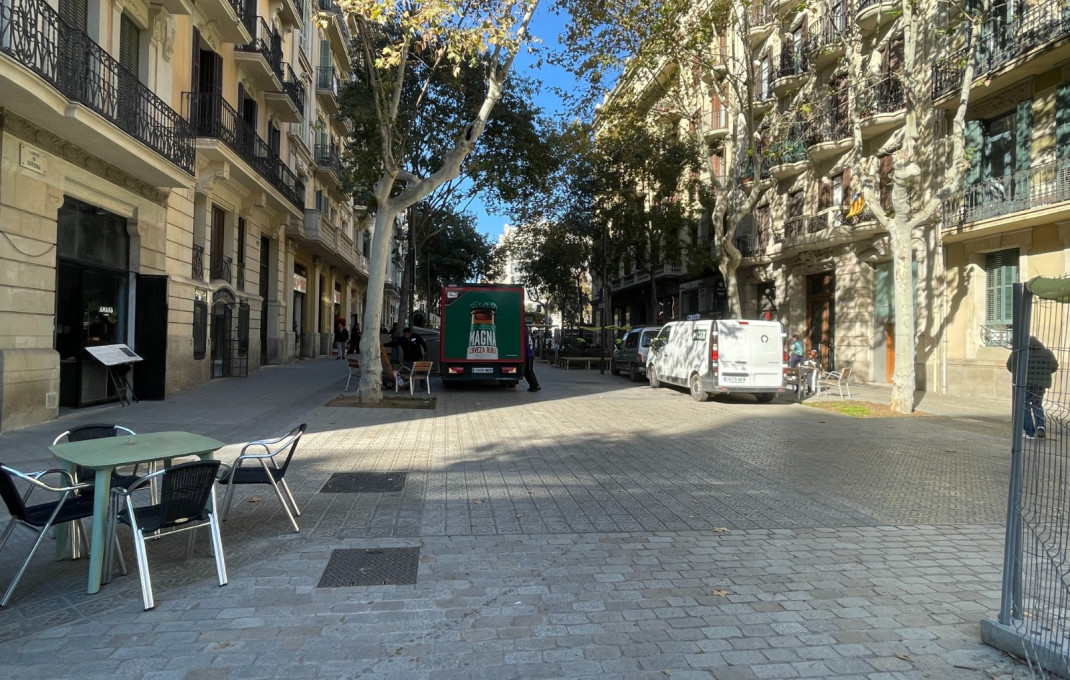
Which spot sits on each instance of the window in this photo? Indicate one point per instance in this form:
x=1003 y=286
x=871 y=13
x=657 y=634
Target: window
x=1000 y=146
x=1001 y=273
x=885 y=180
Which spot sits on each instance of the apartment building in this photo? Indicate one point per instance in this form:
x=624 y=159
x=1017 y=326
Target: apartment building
x=815 y=257
x=170 y=180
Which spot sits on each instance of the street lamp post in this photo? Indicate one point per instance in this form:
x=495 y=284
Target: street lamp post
x=602 y=354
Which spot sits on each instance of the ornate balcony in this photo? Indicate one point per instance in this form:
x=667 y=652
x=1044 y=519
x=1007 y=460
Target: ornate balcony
x=263 y=54
x=328 y=164
x=229 y=18
x=289 y=104
x=337 y=30
x=752 y=245
x=761 y=23
x=212 y=117
x=33 y=35
x=1038 y=25
x=1041 y=186
x=791 y=72
x=868 y=12
x=831 y=135
x=824 y=43
x=221 y=268
x=788 y=156
x=327 y=89
x=883 y=106
x=948 y=73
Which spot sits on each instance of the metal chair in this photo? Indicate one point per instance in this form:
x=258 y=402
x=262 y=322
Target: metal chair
x=354 y=370
x=838 y=379
x=263 y=451
x=71 y=507
x=99 y=431
x=187 y=502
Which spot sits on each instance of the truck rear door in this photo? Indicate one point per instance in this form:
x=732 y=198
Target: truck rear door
x=750 y=354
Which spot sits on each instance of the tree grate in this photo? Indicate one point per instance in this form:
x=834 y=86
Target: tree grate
x=371 y=567
x=364 y=482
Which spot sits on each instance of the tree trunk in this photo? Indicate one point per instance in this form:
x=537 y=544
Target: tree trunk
x=370 y=389
x=903 y=379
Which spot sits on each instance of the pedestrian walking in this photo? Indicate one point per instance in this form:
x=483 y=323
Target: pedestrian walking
x=1039 y=367
x=341 y=338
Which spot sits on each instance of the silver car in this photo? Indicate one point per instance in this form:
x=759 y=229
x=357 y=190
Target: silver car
x=630 y=355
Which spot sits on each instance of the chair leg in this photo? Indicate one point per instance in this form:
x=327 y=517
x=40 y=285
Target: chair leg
x=293 y=502
x=282 y=499
x=143 y=569
x=217 y=542
x=25 y=564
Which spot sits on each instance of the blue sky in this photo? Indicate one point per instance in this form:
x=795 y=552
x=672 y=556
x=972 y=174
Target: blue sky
x=546 y=26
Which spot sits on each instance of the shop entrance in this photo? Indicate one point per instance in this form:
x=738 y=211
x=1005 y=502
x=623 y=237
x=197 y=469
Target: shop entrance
x=91 y=295
x=821 y=316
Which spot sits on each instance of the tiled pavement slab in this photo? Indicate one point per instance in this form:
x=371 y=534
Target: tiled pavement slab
x=597 y=528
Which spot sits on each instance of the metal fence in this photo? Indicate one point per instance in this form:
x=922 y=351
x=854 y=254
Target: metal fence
x=1034 y=617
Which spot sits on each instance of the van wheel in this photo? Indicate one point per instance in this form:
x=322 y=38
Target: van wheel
x=613 y=367
x=697 y=393
x=764 y=397
x=633 y=373
x=653 y=378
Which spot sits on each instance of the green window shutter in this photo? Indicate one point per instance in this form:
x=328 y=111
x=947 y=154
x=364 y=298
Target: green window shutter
x=975 y=134
x=1062 y=121
x=1001 y=273
x=129 y=45
x=1023 y=136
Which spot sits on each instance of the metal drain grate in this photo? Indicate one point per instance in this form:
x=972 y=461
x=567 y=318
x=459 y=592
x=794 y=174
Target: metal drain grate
x=364 y=482
x=371 y=567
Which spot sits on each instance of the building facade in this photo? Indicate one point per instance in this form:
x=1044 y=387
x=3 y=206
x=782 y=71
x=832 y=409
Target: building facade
x=171 y=181
x=814 y=255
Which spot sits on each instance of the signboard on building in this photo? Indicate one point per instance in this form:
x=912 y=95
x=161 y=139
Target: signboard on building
x=300 y=284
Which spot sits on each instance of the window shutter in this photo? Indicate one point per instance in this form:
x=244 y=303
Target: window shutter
x=1001 y=273
x=75 y=13
x=129 y=45
x=1023 y=136
x=846 y=185
x=1062 y=121
x=195 y=62
x=824 y=194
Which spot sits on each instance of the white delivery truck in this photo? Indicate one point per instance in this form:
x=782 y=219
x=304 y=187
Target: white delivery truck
x=720 y=356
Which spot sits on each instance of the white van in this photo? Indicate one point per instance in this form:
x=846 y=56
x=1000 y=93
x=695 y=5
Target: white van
x=725 y=356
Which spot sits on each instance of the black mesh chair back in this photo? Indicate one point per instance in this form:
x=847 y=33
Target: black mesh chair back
x=84 y=433
x=187 y=501
x=39 y=517
x=265 y=462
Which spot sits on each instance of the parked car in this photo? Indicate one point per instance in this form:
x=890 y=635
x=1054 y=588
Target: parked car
x=630 y=355
x=720 y=357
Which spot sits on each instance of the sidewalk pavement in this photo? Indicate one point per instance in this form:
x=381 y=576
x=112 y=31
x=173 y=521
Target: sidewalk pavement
x=596 y=529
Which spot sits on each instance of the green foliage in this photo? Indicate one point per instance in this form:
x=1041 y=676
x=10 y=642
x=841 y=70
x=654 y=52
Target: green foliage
x=457 y=251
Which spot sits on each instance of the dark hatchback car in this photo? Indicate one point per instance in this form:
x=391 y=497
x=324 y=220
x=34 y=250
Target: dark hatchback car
x=630 y=355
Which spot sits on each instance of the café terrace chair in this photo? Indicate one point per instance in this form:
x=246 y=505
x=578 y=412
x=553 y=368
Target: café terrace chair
x=98 y=431
x=421 y=370
x=258 y=463
x=187 y=501
x=354 y=371
x=71 y=506
x=837 y=379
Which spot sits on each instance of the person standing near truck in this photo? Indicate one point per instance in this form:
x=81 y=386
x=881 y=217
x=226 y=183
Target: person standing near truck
x=795 y=351
x=529 y=364
x=1040 y=363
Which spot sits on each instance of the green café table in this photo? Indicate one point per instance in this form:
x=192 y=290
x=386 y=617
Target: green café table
x=104 y=455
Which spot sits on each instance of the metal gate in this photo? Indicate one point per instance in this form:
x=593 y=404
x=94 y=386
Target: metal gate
x=1034 y=616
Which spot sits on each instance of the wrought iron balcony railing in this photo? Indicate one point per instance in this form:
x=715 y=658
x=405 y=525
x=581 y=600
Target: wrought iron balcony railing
x=293 y=87
x=211 y=116
x=327 y=156
x=794 y=61
x=265 y=41
x=826 y=33
x=221 y=265
x=327 y=79
x=884 y=96
x=1035 y=187
x=791 y=149
x=753 y=244
x=865 y=4
x=198 y=263
x=34 y=35
x=834 y=126
x=948 y=73
x=1005 y=40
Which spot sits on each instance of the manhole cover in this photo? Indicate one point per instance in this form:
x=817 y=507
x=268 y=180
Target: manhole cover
x=371 y=567
x=364 y=482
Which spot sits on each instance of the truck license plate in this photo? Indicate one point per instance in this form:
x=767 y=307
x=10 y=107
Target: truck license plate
x=737 y=379
x=482 y=369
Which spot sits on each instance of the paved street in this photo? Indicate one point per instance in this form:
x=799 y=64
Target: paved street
x=598 y=528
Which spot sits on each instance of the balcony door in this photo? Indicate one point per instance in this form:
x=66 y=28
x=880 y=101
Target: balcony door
x=130 y=63
x=206 y=79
